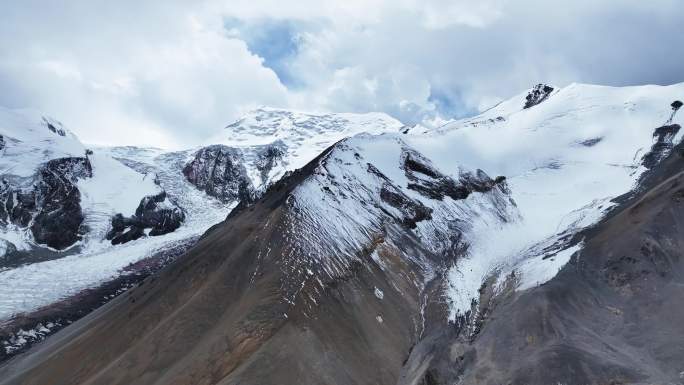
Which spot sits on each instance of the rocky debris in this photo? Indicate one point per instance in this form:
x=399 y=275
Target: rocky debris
x=425 y=179
x=155 y=212
x=662 y=146
x=538 y=94
x=219 y=171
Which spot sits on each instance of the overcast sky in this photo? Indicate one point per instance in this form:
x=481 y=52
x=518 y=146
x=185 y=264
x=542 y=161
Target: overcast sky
x=172 y=73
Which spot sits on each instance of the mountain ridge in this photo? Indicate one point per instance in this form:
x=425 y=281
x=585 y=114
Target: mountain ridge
x=389 y=256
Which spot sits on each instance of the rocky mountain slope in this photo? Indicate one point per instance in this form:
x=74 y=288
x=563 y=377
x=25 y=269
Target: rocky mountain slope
x=74 y=218
x=536 y=243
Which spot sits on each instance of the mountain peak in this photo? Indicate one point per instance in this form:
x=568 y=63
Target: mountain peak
x=265 y=125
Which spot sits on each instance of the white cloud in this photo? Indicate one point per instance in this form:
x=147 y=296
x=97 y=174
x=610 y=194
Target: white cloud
x=166 y=81
x=170 y=73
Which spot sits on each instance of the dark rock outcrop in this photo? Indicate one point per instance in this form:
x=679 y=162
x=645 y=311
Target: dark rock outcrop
x=51 y=206
x=590 y=142
x=159 y=213
x=662 y=145
x=130 y=234
x=268 y=156
x=155 y=212
x=425 y=179
x=54 y=126
x=676 y=105
x=413 y=211
x=218 y=171
x=18 y=205
x=7 y=248
x=538 y=94
x=58 y=222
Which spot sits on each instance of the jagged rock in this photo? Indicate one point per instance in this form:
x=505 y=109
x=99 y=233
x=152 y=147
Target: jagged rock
x=480 y=181
x=54 y=126
x=16 y=205
x=155 y=211
x=2 y=142
x=676 y=105
x=7 y=248
x=56 y=195
x=662 y=146
x=412 y=210
x=431 y=183
x=51 y=207
x=268 y=157
x=538 y=94
x=119 y=225
x=133 y=233
x=4 y=196
x=218 y=171
x=22 y=205
x=159 y=213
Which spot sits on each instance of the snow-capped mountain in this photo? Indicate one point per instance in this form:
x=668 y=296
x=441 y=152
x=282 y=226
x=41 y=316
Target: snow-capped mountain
x=565 y=160
x=117 y=206
x=396 y=255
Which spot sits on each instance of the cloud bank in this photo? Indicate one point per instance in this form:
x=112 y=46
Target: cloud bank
x=172 y=73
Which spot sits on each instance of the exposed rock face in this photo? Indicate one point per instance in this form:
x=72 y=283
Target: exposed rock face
x=268 y=157
x=59 y=219
x=676 y=105
x=218 y=170
x=155 y=212
x=18 y=205
x=537 y=95
x=433 y=184
x=2 y=142
x=54 y=126
x=52 y=205
x=662 y=145
x=159 y=213
x=6 y=249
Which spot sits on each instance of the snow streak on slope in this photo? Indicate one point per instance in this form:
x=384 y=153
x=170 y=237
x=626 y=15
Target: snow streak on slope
x=565 y=159
x=363 y=193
